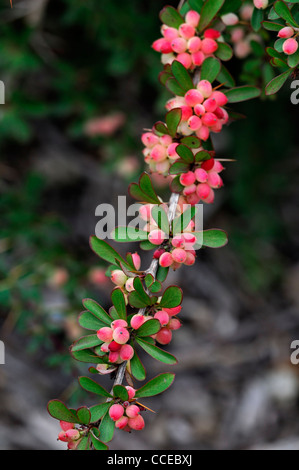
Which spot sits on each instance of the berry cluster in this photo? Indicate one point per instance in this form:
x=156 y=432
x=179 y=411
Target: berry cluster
x=290 y=44
x=127 y=415
x=199 y=184
x=202 y=110
x=185 y=45
x=159 y=152
x=167 y=322
x=115 y=341
x=69 y=434
x=120 y=279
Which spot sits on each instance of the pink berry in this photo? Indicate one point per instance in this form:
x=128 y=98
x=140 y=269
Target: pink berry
x=188 y=190
x=230 y=19
x=131 y=392
x=290 y=46
x=185 y=59
x=209 y=46
x=205 y=88
x=208 y=164
x=214 y=180
x=164 y=336
x=136 y=321
x=286 y=32
x=145 y=211
x=209 y=119
x=158 y=153
x=193 y=97
x=203 y=133
x=218 y=167
x=190 y=260
x=192 y=199
x=210 y=198
x=201 y=175
x=189 y=239
x=220 y=98
x=163 y=317
x=198 y=58
x=116 y=412
x=171 y=150
x=260 y=4
x=179 y=45
x=121 y=335
x=158 y=253
x=62 y=436
x=194 y=44
x=122 y=422
x=162 y=45
x=113 y=356
x=203 y=190
x=136 y=423
x=118 y=277
x=192 y=17
x=149 y=139
x=136 y=260
x=114 y=346
x=105 y=347
x=178 y=241
x=65 y=425
x=186 y=112
x=72 y=434
x=170 y=33
x=179 y=255
x=105 y=334
x=174 y=324
x=132 y=411
x=187 y=178
x=210 y=104
x=194 y=123
x=173 y=311
x=212 y=34
x=186 y=31
x=130 y=284
x=199 y=110
x=126 y=352
x=156 y=237
x=117 y=323
x=165 y=260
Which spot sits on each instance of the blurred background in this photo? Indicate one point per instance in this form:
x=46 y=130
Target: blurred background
x=81 y=84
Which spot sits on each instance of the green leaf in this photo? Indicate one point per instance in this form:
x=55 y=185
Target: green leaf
x=58 y=410
x=196 y=5
x=139 y=298
x=283 y=11
x=210 y=69
x=86 y=342
x=225 y=77
x=270 y=26
x=155 y=386
x=230 y=6
x=182 y=221
x=171 y=17
x=162 y=274
x=209 y=11
x=224 y=51
x=213 y=238
x=172 y=297
x=160 y=217
x=273 y=53
x=106 y=252
x=173 y=86
x=202 y=156
x=98 y=445
x=161 y=128
x=150 y=327
x=90 y=322
x=182 y=76
x=157 y=353
x=137 y=368
x=119 y=391
x=128 y=234
x=97 y=310
x=93 y=387
x=176 y=186
x=147 y=245
x=144 y=191
x=118 y=300
x=107 y=428
x=180 y=166
x=256 y=19
x=88 y=356
x=155 y=287
x=185 y=153
x=173 y=118
x=277 y=82
x=98 y=411
x=191 y=141
x=83 y=415
x=242 y=93
x=83 y=444
x=293 y=60
x=278 y=44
